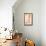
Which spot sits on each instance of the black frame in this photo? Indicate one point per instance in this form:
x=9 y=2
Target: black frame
x=31 y=15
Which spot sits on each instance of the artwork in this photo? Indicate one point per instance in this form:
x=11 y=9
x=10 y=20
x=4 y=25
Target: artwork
x=28 y=19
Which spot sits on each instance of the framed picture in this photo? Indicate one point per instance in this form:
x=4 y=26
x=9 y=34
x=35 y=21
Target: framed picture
x=28 y=19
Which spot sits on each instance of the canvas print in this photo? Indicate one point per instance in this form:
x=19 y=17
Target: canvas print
x=28 y=19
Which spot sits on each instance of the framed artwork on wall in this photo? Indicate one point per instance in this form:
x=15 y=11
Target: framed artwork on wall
x=28 y=19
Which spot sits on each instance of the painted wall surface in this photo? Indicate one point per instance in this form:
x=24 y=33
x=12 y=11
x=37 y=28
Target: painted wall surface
x=43 y=22
x=29 y=32
x=6 y=13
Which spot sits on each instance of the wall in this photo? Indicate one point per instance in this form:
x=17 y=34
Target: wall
x=43 y=22
x=6 y=13
x=29 y=32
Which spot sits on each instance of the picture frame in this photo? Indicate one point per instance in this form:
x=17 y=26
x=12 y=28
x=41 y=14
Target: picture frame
x=28 y=19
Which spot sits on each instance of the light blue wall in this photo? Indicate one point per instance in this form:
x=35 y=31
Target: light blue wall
x=43 y=22
x=29 y=32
